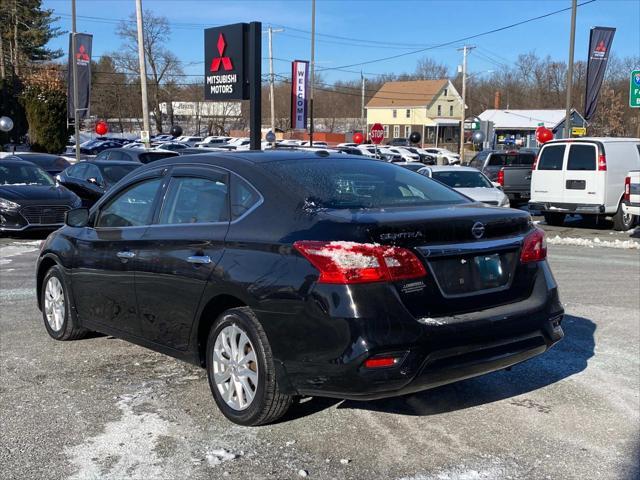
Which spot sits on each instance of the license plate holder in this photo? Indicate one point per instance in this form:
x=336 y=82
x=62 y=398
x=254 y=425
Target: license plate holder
x=576 y=184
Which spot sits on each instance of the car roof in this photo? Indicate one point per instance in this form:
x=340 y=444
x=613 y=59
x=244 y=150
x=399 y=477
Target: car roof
x=36 y=155
x=108 y=163
x=447 y=168
x=252 y=157
x=18 y=163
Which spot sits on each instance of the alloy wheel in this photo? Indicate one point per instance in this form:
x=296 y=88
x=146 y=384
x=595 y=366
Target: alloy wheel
x=235 y=367
x=54 y=305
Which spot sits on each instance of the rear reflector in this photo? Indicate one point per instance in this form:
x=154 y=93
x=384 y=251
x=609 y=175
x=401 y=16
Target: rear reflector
x=381 y=362
x=501 y=177
x=627 y=189
x=534 y=247
x=602 y=163
x=350 y=262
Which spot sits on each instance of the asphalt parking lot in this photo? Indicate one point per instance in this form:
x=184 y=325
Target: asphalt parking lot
x=103 y=408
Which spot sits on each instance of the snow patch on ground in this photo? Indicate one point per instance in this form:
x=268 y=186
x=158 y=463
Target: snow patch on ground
x=489 y=473
x=595 y=242
x=132 y=446
x=14 y=249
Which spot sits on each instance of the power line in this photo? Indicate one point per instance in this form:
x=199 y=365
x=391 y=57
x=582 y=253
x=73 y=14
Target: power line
x=459 y=40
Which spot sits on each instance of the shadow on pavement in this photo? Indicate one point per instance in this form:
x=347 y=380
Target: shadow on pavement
x=566 y=358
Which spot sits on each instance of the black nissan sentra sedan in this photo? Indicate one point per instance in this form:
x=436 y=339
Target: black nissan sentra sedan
x=30 y=199
x=298 y=273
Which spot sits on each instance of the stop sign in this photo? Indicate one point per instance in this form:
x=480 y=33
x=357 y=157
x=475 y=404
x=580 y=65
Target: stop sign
x=376 y=133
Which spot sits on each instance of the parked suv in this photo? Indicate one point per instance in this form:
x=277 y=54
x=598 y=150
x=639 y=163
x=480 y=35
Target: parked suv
x=490 y=162
x=584 y=176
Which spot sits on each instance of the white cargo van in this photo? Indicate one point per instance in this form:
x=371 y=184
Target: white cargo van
x=584 y=176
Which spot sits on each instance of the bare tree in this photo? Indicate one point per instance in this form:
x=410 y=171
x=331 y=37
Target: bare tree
x=162 y=65
x=429 y=69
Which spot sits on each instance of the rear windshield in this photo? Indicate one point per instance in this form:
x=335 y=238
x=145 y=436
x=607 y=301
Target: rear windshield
x=462 y=179
x=551 y=157
x=582 y=157
x=153 y=156
x=334 y=183
x=511 y=159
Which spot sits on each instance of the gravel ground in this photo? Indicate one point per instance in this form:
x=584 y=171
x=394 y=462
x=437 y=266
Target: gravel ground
x=103 y=408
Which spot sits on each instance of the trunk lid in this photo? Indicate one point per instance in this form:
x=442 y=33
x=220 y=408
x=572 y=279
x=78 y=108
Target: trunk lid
x=471 y=253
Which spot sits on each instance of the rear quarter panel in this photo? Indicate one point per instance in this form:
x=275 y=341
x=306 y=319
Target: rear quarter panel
x=621 y=157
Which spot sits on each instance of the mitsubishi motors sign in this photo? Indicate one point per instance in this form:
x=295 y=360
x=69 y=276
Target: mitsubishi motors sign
x=224 y=63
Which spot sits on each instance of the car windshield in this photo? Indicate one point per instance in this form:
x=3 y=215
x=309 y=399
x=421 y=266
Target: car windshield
x=462 y=179
x=149 y=157
x=113 y=173
x=358 y=184
x=24 y=175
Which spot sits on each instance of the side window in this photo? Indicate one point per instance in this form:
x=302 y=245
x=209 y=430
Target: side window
x=551 y=157
x=131 y=208
x=92 y=172
x=195 y=200
x=582 y=157
x=102 y=155
x=243 y=197
x=77 y=171
x=116 y=155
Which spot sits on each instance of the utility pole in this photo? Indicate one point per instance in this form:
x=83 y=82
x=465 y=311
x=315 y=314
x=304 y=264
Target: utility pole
x=74 y=72
x=572 y=41
x=272 y=77
x=143 y=74
x=465 y=49
x=362 y=118
x=313 y=63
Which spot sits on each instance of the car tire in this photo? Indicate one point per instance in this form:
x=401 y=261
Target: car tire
x=243 y=397
x=59 y=317
x=554 y=219
x=621 y=221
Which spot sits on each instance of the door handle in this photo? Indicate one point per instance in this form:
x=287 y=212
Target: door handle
x=125 y=255
x=199 y=259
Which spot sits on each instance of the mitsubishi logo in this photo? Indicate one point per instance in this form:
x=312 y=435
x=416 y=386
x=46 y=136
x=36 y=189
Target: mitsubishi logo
x=601 y=47
x=226 y=61
x=477 y=230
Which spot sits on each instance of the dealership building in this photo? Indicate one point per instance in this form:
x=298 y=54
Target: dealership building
x=517 y=127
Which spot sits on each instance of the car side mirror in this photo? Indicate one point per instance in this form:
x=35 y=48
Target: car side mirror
x=77 y=217
x=94 y=181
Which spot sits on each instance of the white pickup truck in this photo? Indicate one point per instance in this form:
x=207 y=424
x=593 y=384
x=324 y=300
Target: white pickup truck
x=631 y=199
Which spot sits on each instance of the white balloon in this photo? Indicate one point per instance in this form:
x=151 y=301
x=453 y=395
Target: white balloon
x=6 y=124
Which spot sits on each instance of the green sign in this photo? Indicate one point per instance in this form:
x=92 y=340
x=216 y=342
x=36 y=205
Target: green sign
x=634 y=89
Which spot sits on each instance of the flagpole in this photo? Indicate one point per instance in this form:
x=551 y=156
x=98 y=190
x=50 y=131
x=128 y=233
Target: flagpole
x=572 y=41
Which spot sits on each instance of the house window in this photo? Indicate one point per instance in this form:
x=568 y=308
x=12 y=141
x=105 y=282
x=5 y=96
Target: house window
x=407 y=131
x=446 y=91
x=386 y=131
x=439 y=110
x=451 y=110
x=396 y=131
x=395 y=114
x=408 y=113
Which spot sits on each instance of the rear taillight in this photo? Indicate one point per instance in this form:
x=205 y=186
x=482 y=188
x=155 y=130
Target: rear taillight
x=501 y=177
x=350 y=262
x=627 y=189
x=535 y=163
x=381 y=362
x=602 y=163
x=534 y=247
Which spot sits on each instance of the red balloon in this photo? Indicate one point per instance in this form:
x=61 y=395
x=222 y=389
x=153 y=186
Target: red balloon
x=358 y=138
x=543 y=134
x=101 y=127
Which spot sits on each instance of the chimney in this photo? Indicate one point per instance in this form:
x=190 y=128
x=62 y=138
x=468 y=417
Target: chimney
x=496 y=100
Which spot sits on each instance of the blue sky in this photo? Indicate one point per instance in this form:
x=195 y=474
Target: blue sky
x=354 y=31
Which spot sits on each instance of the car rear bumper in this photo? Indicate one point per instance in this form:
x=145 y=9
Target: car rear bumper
x=567 y=207
x=632 y=208
x=433 y=351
